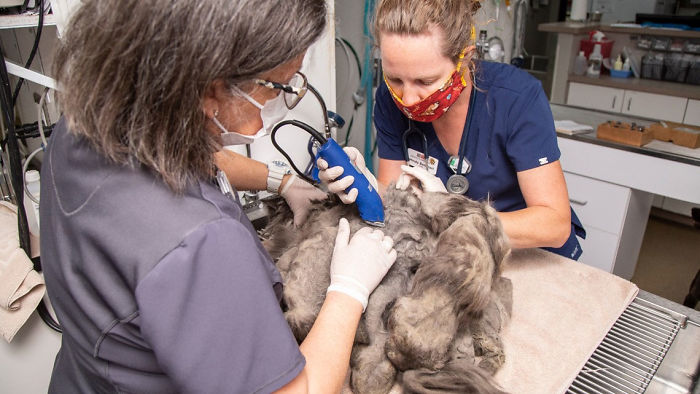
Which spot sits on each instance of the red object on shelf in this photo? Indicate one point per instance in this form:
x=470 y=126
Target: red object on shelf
x=605 y=47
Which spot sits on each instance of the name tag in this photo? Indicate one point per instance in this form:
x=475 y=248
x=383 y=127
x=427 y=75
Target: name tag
x=417 y=159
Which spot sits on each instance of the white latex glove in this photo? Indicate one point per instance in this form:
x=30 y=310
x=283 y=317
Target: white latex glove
x=299 y=195
x=360 y=263
x=329 y=176
x=428 y=181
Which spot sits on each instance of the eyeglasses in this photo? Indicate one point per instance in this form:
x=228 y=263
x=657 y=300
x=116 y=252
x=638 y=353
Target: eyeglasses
x=293 y=91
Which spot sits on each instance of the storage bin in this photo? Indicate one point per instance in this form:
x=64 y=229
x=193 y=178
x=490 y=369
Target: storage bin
x=620 y=73
x=676 y=67
x=694 y=72
x=652 y=65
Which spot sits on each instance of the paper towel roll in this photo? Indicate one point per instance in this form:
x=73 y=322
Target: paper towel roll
x=579 y=8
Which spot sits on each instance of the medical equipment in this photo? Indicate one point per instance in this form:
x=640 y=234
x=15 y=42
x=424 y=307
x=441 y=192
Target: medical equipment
x=456 y=183
x=368 y=201
x=517 y=57
x=410 y=130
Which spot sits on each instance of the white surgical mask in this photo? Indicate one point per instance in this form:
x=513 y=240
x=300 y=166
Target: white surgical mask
x=272 y=112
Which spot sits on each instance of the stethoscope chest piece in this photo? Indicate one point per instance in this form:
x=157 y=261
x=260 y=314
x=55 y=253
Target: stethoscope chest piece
x=457 y=184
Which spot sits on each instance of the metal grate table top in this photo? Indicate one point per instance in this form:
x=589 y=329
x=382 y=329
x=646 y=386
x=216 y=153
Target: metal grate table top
x=630 y=359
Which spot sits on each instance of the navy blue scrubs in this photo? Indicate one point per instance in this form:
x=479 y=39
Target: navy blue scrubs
x=512 y=130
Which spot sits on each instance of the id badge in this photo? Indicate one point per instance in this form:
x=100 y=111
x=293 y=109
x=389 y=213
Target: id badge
x=417 y=159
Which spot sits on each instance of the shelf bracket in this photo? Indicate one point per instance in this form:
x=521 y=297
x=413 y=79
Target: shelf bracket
x=30 y=75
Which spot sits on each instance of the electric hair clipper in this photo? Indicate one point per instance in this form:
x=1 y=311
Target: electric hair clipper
x=369 y=204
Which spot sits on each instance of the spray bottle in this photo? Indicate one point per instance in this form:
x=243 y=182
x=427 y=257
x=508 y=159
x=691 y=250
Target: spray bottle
x=595 y=60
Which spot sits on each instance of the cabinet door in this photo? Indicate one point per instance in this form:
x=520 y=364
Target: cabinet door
x=597 y=203
x=654 y=106
x=692 y=113
x=599 y=249
x=595 y=97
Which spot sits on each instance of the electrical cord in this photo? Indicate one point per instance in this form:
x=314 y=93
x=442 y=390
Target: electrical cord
x=347 y=58
x=32 y=53
x=16 y=178
x=40 y=116
x=25 y=167
x=357 y=98
x=314 y=134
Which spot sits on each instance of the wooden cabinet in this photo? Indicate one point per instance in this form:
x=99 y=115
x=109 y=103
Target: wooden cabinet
x=692 y=113
x=632 y=102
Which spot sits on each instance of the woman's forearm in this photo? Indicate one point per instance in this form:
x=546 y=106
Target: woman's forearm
x=244 y=173
x=327 y=347
x=536 y=226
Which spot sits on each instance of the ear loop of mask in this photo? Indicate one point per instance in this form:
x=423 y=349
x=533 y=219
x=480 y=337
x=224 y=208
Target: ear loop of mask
x=218 y=124
x=459 y=67
x=247 y=97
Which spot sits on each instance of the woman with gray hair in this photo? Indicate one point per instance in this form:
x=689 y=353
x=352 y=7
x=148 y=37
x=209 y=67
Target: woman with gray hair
x=157 y=277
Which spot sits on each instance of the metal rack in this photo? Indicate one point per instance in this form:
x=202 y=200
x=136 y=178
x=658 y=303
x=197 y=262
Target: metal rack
x=636 y=354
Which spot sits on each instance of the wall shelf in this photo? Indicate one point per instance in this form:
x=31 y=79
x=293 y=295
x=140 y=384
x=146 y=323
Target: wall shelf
x=643 y=85
x=24 y=20
x=584 y=28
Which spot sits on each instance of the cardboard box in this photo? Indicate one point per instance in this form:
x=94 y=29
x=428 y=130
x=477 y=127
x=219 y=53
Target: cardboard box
x=677 y=133
x=623 y=133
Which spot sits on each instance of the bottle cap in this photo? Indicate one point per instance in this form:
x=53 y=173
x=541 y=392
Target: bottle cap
x=32 y=176
x=580 y=53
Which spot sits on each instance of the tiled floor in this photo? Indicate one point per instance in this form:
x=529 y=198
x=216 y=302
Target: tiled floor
x=668 y=260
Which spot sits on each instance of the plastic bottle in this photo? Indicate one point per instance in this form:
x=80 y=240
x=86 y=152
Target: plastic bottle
x=32 y=179
x=594 y=62
x=618 y=63
x=626 y=64
x=580 y=64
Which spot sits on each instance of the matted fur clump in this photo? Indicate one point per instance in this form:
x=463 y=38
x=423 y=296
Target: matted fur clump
x=434 y=321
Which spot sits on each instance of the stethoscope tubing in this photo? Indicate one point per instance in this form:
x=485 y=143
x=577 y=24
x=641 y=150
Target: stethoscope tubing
x=462 y=145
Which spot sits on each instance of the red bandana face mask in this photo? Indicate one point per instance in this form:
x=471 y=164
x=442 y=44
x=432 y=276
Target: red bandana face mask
x=435 y=105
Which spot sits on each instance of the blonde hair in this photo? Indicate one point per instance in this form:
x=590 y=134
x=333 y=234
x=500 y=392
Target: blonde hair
x=455 y=19
x=133 y=72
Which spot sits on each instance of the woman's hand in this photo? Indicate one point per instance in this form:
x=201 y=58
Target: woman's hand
x=330 y=176
x=360 y=263
x=299 y=195
x=427 y=181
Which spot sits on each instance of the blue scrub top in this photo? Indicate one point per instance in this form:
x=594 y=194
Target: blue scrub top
x=512 y=130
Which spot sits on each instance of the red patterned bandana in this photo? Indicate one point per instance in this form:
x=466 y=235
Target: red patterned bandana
x=435 y=105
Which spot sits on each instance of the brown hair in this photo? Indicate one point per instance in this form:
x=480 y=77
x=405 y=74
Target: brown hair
x=453 y=17
x=132 y=73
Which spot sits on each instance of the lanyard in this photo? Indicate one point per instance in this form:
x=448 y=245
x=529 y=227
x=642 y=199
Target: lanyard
x=410 y=131
x=463 y=143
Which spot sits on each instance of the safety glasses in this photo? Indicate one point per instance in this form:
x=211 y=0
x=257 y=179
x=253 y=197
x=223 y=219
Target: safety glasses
x=293 y=91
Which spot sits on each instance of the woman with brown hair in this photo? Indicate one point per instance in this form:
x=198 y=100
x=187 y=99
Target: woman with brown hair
x=157 y=277
x=446 y=121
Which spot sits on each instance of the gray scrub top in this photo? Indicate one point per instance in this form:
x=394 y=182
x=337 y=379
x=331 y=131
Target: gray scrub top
x=156 y=293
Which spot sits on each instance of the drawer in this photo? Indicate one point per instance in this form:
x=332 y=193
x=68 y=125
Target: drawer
x=599 y=249
x=598 y=204
x=595 y=97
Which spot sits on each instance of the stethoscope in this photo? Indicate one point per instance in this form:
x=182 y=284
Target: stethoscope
x=457 y=183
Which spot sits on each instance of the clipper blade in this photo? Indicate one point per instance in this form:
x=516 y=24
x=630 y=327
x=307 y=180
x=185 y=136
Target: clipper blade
x=375 y=224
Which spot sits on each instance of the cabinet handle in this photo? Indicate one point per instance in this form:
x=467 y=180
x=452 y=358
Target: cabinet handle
x=613 y=104
x=578 y=202
x=629 y=103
